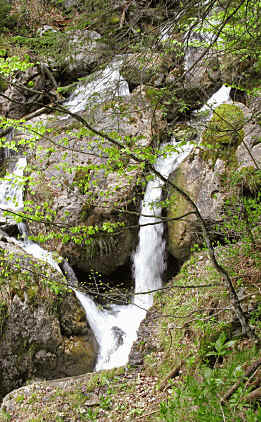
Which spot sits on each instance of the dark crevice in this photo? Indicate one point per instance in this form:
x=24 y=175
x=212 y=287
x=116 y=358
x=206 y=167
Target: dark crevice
x=10 y=229
x=238 y=95
x=172 y=269
x=113 y=288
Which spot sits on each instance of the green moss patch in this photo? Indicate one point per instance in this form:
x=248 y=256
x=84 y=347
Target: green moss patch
x=223 y=134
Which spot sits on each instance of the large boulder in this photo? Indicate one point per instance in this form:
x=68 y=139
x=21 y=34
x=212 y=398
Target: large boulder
x=43 y=331
x=147 y=67
x=84 y=50
x=80 y=189
x=221 y=150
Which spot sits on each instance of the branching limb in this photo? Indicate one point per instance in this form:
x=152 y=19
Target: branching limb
x=248 y=373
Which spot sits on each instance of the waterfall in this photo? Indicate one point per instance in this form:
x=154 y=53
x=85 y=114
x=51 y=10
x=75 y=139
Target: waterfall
x=11 y=198
x=219 y=97
x=116 y=328
x=11 y=190
x=148 y=261
x=105 y=82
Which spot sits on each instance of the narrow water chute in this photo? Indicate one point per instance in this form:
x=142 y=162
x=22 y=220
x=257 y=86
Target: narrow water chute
x=116 y=328
x=11 y=189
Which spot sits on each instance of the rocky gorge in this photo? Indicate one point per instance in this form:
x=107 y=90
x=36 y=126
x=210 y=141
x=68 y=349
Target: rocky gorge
x=82 y=188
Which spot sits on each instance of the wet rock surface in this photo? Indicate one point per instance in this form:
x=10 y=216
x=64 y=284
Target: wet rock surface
x=43 y=335
x=82 y=196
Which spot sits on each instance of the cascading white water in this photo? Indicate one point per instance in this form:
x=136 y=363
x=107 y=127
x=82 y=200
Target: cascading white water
x=11 y=189
x=34 y=249
x=108 y=81
x=116 y=329
x=11 y=198
x=219 y=97
x=148 y=261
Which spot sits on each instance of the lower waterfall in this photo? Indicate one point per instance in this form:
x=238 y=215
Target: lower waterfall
x=116 y=328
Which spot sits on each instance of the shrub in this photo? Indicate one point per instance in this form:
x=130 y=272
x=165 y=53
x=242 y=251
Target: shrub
x=4 y=14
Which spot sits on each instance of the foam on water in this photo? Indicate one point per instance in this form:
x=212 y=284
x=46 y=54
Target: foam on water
x=116 y=328
x=106 y=82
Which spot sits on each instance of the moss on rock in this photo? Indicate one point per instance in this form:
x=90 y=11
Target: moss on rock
x=43 y=330
x=179 y=237
x=223 y=134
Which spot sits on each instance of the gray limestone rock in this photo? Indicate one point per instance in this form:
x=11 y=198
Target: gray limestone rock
x=42 y=334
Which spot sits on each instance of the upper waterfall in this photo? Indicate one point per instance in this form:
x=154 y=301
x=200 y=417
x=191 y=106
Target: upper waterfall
x=222 y=95
x=11 y=189
x=102 y=83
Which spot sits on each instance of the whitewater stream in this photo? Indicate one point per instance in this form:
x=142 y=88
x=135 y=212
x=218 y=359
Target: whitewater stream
x=115 y=327
x=11 y=190
x=102 y=84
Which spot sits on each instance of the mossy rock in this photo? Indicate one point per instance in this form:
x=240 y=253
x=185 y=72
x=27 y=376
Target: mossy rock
x=184 y=132
x=141 y=68
x=179 y=236
x=223 y=134
x=3 y=85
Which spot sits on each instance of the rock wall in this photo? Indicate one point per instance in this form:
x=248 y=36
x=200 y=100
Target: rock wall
x=43 y=334
x=82 y=191
x=201 y=175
